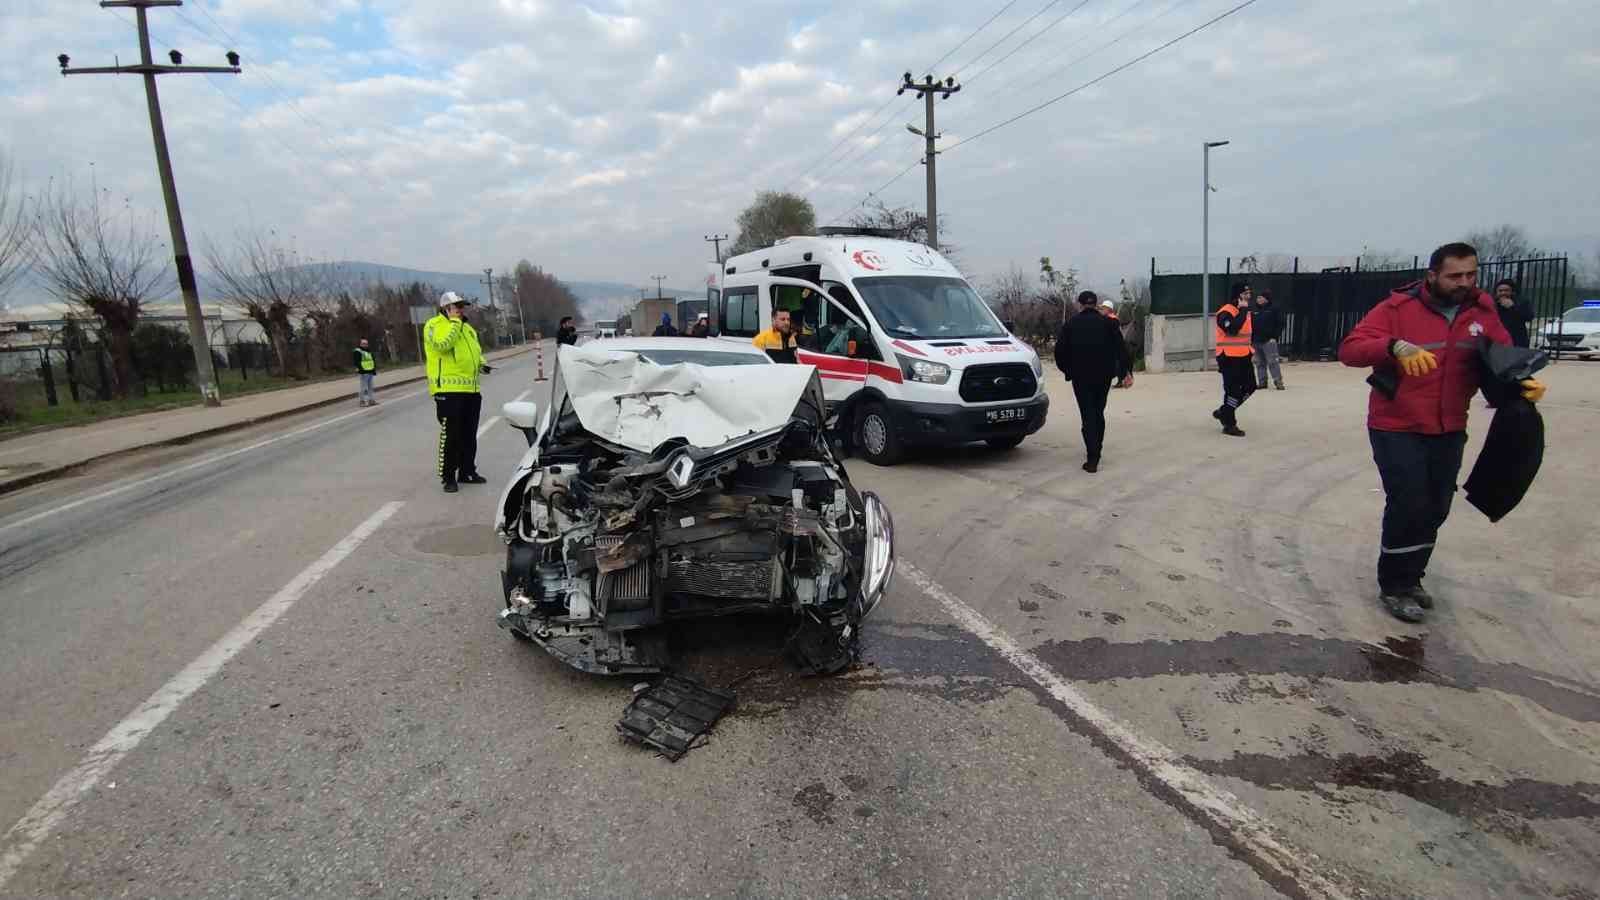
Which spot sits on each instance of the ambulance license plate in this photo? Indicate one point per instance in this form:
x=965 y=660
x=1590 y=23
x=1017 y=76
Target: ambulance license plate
x=1014 y=414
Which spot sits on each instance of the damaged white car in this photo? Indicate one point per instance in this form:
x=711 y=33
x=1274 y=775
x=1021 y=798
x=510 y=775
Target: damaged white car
x=674 y=479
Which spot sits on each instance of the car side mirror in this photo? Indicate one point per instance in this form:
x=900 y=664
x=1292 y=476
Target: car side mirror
x=523 y=416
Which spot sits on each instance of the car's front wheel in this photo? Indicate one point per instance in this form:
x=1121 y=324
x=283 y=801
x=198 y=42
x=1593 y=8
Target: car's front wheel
x=875 y=436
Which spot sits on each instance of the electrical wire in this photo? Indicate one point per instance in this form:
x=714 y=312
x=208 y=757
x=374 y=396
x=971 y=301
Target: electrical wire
x=1102 y=77
x=1031 y=38
x=1081 y=38
x=1090 y=83
x=1042 y=10
x=317 y=127
x=875 y=113
x=1072 y=63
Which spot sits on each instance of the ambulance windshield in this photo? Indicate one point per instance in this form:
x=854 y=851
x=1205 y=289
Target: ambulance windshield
x=928 y=308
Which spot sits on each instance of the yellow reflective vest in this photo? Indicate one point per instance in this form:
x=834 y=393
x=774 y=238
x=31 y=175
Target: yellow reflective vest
x=453 y=355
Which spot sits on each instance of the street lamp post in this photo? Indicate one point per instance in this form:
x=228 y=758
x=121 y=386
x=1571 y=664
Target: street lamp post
x=1205 y=248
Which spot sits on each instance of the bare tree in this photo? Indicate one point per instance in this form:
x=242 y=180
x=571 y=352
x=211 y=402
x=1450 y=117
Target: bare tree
x=106 y=260
x=1502 y=242
x=1371 y=260
x=16 y=229
x=1266 y=263
x=271 y=283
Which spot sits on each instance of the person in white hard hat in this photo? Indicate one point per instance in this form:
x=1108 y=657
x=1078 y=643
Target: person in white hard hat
x=455 y=360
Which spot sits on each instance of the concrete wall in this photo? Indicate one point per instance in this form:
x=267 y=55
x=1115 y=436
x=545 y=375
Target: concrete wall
x=1175 y=343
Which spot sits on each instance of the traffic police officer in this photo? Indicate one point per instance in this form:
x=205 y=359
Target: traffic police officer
x=454 y=362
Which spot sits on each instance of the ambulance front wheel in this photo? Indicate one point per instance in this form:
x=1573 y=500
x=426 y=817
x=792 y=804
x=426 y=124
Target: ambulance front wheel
x=875 y=436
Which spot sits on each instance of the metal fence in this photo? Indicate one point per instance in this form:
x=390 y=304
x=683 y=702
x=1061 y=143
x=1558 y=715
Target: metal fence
x=84 y=374
x=1321 y=307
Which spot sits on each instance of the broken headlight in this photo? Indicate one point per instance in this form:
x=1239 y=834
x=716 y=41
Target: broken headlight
x=878 y=561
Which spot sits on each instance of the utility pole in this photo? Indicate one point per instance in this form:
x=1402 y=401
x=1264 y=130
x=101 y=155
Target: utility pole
x=205 y=375
x=926 y=90
x=494 y=319
x=1205 y=249
x=658 y=280
x=716 y=240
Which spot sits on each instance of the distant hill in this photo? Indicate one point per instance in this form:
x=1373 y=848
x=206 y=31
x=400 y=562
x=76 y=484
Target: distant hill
x=599 y=299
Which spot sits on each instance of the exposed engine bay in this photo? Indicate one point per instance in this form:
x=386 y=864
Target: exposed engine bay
x=607 y=542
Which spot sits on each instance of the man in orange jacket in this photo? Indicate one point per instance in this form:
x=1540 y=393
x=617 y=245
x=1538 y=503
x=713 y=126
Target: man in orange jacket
x=1233 y=358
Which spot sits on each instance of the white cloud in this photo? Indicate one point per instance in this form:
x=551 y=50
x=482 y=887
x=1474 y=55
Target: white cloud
x=453 y=136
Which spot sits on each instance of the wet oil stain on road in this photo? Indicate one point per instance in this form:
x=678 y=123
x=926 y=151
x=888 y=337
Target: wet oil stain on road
x=1408 y=774
x=1398 y=660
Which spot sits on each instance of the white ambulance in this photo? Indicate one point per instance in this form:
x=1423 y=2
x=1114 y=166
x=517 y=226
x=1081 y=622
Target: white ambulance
x=898 y=336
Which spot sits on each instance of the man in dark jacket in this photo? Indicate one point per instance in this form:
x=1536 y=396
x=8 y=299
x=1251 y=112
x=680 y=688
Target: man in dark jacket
x=1266 y=326
x=1090 y=351
x=1515 y=313
x=567 y=332
x=665 y=329
x=1423 y=340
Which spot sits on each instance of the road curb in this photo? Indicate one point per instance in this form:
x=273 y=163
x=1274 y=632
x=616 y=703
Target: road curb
x=44 y=475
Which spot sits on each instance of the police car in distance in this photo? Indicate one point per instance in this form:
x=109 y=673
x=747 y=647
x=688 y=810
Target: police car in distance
x=1576 y=332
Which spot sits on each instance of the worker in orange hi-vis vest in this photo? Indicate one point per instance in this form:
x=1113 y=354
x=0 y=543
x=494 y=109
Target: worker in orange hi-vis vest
x=1233 y=358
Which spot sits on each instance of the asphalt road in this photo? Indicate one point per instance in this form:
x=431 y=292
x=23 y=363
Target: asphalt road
x=278 y=675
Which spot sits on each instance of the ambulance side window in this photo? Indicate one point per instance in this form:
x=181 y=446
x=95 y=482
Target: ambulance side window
x=740 y=312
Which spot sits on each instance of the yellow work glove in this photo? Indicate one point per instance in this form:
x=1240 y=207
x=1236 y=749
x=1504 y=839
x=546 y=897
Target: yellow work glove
x=1532 y=390
x=1414 y=360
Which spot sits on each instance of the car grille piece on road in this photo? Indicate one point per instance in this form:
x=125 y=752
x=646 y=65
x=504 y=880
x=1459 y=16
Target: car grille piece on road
x=672 y=714
x=998 y=381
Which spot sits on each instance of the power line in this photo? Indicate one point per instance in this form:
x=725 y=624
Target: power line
x=1096 y=80
x=999 y=12
x=1054 y=73
x=1081 y=38
x=318 y=128
x=1031 y=38
x=1052 y=101
x=881 y=188
x=875 y=113
x=310 y=165
x=1042 y=9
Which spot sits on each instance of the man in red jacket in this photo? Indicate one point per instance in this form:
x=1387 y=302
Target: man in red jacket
x=1424 y=339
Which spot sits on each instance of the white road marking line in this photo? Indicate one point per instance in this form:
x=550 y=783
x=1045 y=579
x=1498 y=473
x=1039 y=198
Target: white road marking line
x=1220 y=806
x=37 y=824
x=493 y=419
x=122 y=489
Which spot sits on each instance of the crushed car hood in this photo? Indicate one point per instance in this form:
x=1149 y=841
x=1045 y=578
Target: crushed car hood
x=627 y=400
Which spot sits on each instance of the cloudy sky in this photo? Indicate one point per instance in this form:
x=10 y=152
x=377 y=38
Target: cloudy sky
x=604 y=139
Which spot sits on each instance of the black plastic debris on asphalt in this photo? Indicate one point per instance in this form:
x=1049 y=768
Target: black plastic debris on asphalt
x=672 y=714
